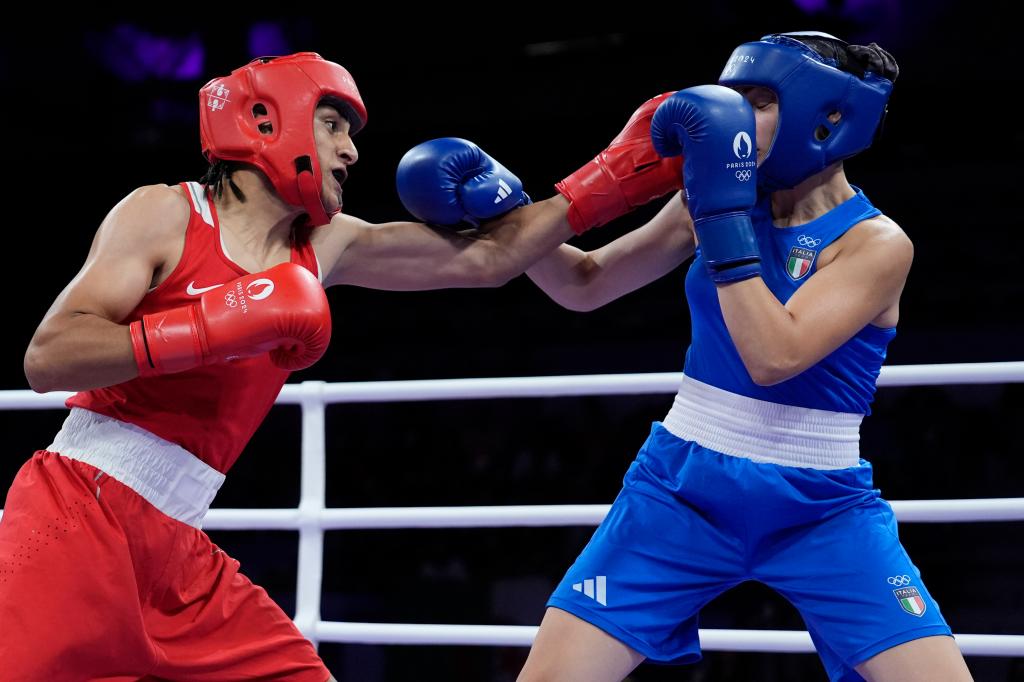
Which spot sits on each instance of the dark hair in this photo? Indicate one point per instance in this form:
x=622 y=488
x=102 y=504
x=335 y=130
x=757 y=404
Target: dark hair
x=219 y=174
x=855 y=59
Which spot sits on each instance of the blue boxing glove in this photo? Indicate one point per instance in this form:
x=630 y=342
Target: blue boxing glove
x=449 y=180
x=713 y=128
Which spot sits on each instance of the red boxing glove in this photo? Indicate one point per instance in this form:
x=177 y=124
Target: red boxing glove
x=283 y=310
x=627 y=174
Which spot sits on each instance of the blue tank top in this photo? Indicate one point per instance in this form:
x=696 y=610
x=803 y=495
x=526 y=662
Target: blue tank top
x=842 y=382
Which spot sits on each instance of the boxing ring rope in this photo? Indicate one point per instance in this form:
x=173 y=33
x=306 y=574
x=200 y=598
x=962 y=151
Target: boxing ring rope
x=312 y=517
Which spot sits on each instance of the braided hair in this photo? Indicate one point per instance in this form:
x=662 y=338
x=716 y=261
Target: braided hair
x=218 y=175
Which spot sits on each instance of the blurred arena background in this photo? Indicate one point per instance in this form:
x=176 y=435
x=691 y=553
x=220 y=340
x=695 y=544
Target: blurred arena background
x=97 y=107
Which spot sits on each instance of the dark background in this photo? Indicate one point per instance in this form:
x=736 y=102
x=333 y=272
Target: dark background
x=99 y=107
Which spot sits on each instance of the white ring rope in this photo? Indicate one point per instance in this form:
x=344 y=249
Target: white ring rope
x=573 y=385
x=907 y=511
x=312 y=518
x=772 y=641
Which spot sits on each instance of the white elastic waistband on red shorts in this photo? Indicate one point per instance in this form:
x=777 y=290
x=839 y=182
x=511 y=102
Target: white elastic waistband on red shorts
x=168 y=476
x=762 y=431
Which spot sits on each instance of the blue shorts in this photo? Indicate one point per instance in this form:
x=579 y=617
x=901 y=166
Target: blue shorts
x=691 y=523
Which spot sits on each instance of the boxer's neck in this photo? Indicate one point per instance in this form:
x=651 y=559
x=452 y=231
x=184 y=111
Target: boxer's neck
x=264 y=221
x=812 y=198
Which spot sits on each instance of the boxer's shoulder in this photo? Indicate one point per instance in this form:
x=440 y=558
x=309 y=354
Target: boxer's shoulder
x=332 y=240
x=149 y=223
x=150 y=212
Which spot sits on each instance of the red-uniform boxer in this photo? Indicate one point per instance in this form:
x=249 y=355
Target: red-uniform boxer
x=193 y=305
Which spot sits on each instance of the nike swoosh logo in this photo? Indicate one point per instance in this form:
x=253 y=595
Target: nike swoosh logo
x=192 y=291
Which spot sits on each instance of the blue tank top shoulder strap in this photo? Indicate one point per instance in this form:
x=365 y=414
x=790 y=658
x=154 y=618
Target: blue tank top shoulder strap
x=797 y=248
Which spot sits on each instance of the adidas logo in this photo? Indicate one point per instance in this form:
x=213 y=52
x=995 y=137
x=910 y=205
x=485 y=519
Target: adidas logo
x=503 y=191
x=587 y=588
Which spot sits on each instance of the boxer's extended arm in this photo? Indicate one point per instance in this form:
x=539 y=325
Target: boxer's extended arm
x=585 y=280
x=80 y=344
x=442 y=182
x=407 y=256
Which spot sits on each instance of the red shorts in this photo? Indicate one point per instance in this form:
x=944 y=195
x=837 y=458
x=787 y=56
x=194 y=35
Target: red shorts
x=97 y=584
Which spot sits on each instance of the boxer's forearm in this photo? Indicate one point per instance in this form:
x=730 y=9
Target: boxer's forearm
x=584 y=281
x=79 y=352
x=517 y=240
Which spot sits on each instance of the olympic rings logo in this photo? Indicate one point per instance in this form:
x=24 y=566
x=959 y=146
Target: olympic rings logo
x=742 y=175
x=804 y=240
x=230 y=299
x=899 y=580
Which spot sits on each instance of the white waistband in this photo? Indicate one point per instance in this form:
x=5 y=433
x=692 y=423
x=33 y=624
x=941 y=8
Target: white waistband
x=762 y=431
x=169 y=477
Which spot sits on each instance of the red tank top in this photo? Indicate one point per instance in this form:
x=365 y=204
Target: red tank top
x=210 y=411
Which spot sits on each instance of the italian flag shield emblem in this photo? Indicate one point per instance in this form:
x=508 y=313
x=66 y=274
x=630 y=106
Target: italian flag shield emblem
x=910 y=600
x=799 y=262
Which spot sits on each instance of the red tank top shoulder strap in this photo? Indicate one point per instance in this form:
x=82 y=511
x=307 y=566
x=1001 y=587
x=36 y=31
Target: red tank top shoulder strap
x=201 y=204
x=302 y=250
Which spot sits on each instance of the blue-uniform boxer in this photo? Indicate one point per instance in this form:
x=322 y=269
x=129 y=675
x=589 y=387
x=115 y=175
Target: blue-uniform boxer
x=743 y=481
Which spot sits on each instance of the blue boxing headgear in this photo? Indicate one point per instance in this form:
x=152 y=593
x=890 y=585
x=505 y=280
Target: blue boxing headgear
x=809 y=88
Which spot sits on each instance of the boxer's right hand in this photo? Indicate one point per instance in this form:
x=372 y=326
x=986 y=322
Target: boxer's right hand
x=627 y=174
x=448 y=181
x=283 y=311
x=714 y=128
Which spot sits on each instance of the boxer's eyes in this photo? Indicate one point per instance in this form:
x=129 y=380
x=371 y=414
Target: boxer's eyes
x=333 y=124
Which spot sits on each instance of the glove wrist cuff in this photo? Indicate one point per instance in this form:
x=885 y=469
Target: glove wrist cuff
x=171 y=340
x=729 y=246
x=594 y=195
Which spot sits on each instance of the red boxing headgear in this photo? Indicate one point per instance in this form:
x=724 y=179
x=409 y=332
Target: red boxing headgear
x=263 y=114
